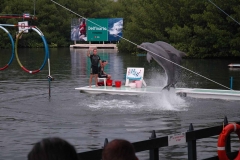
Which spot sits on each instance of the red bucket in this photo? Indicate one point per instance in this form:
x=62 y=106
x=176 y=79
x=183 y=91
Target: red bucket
x=100 y=83
x=109 y=82
x=118 y=83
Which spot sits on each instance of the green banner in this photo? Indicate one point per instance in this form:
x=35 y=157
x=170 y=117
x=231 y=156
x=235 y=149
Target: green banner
x=97 y=29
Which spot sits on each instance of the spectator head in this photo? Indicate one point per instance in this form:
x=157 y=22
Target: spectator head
x=119 y=149
x=53 y=149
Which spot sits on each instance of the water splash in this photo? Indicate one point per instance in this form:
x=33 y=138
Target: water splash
x=165 y=100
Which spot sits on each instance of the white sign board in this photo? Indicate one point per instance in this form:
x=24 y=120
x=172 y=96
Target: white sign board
x=135 y=73
x=22 y=26
x=175 y=139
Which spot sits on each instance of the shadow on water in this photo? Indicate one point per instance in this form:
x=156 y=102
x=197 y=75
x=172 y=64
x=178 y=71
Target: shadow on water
x=27 y=114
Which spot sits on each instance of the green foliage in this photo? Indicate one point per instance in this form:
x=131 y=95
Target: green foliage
x=196 y=27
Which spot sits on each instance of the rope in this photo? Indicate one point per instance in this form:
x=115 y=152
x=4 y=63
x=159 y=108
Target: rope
x=144 y=48
x=30 y=17
x=224 y=12
x=16 y=25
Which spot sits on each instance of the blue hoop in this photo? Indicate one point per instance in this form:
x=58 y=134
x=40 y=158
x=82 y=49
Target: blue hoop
x=11 y=59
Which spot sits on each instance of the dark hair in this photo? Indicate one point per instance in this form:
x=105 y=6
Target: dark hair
x=119 y=149
x=53 y=149
x=103 y=61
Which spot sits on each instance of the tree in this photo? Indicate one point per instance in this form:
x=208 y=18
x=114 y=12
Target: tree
x=198 y=28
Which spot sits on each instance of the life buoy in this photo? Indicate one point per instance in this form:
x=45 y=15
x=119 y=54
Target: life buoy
x=232 y=127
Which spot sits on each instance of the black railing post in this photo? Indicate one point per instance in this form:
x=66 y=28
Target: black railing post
x=153 y=153
x=192 y=149
x=105 y=142
x=228 y=141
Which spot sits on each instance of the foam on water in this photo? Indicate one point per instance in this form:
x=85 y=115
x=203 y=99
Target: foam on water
x=112 y=103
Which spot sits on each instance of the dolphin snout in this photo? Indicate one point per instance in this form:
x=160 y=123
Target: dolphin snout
x=141 y=47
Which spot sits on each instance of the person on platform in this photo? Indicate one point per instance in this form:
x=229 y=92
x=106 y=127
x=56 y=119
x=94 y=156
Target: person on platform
x=95 y=60
x=101 y=72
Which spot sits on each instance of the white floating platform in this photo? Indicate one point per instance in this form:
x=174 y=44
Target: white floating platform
x=187 y=92
x=209 y=93
x=119 y=90
x=234 y=65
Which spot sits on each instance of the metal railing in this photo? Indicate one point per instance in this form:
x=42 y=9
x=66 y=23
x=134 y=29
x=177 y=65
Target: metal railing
x=154 y=143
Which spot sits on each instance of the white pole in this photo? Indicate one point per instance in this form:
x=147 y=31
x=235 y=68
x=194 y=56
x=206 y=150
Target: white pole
x=48 y=66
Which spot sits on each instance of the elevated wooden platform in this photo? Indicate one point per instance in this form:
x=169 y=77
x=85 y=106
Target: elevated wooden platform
x=105 y=46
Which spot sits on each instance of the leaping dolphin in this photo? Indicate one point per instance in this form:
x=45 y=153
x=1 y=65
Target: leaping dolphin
x=164 y=54
x=176 y=56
